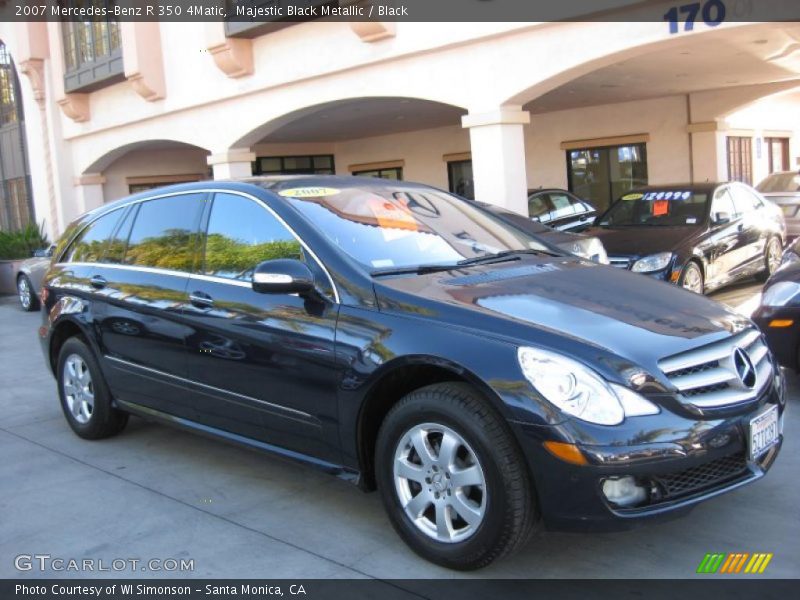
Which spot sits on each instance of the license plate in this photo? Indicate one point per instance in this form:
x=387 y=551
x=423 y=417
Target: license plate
x=763 y=432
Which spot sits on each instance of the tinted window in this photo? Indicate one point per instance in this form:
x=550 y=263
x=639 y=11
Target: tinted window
x=164 y=234
x=91 y=244
x=723 y=203
x=563 y=206
x=242 y=234
x=115 y=253
x=538 y=206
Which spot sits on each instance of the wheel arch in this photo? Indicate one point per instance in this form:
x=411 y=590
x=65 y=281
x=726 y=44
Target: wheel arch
x=394 y=381
x=64 y=329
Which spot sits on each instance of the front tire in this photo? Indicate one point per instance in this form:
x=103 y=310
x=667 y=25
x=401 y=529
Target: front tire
x=692 y=278
x=27 y=296
x=85 y=398
x=452 y=480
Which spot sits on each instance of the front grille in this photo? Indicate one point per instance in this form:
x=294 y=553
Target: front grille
x=707 y=377
x=619 y=261
x=710 y=474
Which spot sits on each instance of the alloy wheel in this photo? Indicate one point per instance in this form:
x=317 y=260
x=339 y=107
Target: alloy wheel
x=78 y=388
x=693 y=279
x=440 y=482
x=24 y=291
x=773 y=255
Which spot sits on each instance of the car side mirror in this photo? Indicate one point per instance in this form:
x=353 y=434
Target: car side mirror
x=721 y=218
x=283 y=276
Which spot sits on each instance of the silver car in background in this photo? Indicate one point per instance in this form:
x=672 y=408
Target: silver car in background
x=783 y=188
x=29 y=278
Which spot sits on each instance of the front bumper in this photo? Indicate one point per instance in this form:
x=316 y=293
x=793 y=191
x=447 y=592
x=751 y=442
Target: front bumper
x=709 y=459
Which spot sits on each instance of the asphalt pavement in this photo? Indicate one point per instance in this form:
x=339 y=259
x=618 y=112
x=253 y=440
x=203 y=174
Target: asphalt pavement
x=157 y=493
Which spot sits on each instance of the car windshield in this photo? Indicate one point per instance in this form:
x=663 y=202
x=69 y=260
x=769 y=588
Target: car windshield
x=392 y=227
x=780 y=182
x=657 y=208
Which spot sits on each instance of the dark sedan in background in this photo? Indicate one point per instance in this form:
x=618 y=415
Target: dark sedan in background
x=779 y=314
x=560 y=209
x=783 y=188
x=699 y=236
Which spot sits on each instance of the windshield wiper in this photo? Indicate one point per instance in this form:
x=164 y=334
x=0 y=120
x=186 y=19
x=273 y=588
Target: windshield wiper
x=416 y=270
x=502 y=256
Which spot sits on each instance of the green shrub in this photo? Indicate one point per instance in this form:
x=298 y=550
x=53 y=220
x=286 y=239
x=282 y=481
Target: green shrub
x=21 y=243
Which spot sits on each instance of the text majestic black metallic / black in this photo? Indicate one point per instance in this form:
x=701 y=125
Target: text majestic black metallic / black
x=404 y=338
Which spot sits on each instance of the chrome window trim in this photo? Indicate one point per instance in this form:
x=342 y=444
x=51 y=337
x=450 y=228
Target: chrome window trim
x=304 y=415
x=202 y=276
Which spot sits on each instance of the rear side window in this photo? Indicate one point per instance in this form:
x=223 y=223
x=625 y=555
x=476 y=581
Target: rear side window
x=538 y=206
x=242 y=234
x=164 y=233
x=90 y=246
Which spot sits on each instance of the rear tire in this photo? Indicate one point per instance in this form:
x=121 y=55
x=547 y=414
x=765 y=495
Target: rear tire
x=84 y=395
x=27 y=296
x=467 y=463
x=773 y=253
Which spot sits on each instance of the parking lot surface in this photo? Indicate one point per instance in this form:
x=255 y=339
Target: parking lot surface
x=157 y=493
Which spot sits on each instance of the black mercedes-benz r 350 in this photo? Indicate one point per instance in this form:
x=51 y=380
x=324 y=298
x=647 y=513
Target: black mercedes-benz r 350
x=406 y=339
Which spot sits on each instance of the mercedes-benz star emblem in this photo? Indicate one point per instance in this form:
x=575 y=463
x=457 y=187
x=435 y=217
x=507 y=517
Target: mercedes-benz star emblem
x=744 y=368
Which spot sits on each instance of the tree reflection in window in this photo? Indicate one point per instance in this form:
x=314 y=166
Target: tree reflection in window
x=173 y=250
x=242 y=234
x=165 y=234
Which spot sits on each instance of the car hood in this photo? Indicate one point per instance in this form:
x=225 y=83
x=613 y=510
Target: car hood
x=641 y=241
x=556 y=302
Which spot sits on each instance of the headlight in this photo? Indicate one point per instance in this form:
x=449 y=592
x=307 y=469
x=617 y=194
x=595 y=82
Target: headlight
x=780 y=294
x=579 y=391
x=654 y=262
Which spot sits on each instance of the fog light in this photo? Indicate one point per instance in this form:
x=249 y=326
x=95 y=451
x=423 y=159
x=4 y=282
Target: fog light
x=623 y=491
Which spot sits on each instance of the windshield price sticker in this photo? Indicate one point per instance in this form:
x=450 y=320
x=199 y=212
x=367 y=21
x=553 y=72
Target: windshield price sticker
x=652 y=196
x=309 y=192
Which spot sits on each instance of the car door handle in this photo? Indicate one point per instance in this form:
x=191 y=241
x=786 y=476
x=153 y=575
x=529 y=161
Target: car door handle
x=201 y=300
x=98 y=282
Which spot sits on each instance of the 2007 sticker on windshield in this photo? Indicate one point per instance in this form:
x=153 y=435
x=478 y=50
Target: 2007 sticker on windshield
x=309 y=192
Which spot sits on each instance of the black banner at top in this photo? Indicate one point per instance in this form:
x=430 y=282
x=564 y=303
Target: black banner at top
x=680 y=13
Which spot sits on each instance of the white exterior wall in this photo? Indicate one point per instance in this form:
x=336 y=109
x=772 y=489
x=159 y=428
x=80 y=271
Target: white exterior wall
x=663 y=119
x=151 y=163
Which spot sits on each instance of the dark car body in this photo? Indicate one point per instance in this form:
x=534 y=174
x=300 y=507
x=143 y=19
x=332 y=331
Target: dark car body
x=311 y=377
x=778 y=316
x=725 y=250
x=783 y=189
x=560 y=209
x=581 y=245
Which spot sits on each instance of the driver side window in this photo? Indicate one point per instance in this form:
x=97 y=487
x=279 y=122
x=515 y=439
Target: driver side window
x=240 y=235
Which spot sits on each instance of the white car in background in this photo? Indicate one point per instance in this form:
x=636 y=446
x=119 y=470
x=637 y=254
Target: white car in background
x=29 y=278
x=783 y=188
